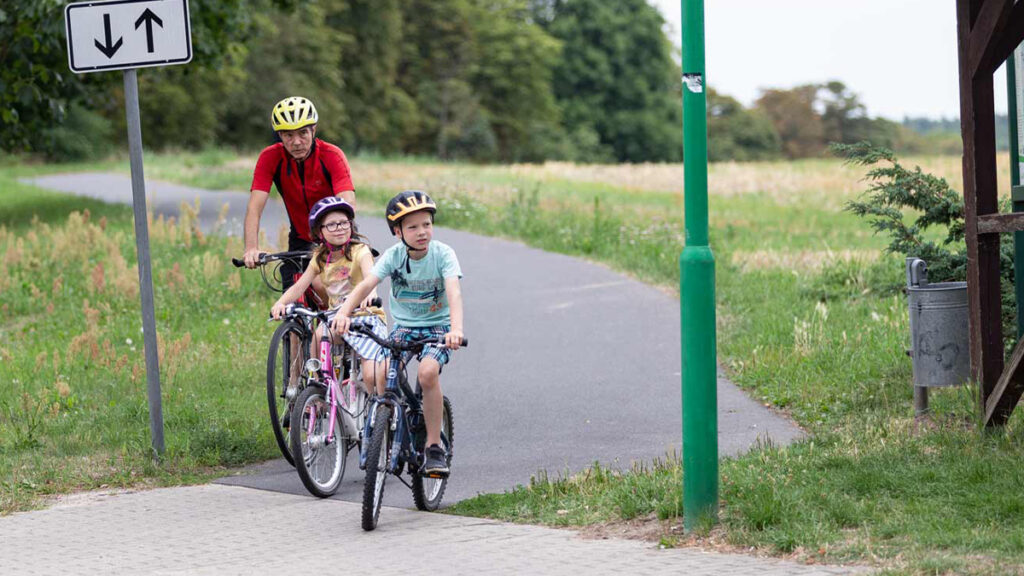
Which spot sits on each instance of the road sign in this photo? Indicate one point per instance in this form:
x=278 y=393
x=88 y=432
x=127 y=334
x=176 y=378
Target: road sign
x=127 y=34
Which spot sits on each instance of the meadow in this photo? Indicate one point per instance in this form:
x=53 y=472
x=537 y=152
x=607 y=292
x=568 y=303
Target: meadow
x=811 y=321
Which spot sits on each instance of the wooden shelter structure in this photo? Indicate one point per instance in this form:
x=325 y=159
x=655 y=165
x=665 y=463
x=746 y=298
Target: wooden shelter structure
x=988 y=31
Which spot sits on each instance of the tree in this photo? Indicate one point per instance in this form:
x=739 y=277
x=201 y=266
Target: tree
x=798 y=124
x=735 y=133
x=36 y=86
x=35 y=82
x=616 y=78
x=513 y=79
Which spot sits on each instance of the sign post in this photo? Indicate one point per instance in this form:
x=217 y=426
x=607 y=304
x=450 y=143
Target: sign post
x=125 y=35
x=697 y=290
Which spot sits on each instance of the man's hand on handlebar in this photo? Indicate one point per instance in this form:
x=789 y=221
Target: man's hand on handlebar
x=251 y=256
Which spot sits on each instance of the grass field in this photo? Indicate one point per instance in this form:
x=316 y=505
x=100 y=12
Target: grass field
x=811 y=321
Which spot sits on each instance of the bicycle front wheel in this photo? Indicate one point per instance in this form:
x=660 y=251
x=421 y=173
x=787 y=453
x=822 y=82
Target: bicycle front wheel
x=377 y=453
x=427 y=492
x=289 y=350
x=319 y=459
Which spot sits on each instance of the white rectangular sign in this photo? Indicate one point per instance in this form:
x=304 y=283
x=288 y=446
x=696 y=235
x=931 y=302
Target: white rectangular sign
x=127 y=34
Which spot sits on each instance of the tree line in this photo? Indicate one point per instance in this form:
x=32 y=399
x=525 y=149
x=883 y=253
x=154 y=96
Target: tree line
x=481 y=80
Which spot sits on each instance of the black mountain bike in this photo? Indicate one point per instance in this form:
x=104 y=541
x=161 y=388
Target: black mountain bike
x=289 y=347
x=396 y=434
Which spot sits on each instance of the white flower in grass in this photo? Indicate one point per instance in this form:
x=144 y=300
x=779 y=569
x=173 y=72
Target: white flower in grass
x=227 y=322
x=128 y=341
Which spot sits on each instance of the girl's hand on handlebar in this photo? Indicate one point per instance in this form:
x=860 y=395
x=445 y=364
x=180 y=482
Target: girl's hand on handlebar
x=278 y=310
x=453 y=339
x=340 y=323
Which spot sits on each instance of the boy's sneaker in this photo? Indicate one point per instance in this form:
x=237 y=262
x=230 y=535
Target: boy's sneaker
x=435 y=462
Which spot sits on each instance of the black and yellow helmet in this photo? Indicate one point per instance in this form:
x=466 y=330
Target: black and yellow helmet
x=407 y=202
x=293 y=113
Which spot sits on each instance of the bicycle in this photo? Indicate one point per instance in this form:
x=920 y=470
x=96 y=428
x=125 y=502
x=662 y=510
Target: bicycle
x=289 y=348
x=398 y=415
x=320 y=436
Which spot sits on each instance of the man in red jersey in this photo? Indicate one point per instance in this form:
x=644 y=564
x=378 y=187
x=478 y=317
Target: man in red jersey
x=304 y=169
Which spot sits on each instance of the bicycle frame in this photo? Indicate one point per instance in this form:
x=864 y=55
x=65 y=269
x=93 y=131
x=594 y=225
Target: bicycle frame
x=407 y=413
x=327 y=378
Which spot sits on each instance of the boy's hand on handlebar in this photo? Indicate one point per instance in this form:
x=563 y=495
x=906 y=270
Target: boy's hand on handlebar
x=251 y=256
x=368 y=302
x=453 y=339
x=278 y=310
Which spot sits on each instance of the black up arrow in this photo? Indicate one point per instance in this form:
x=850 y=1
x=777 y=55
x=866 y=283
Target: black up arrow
x=148 y=17
x=109 y=49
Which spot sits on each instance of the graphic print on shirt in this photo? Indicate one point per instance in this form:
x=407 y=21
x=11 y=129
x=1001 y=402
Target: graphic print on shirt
x=420 y=296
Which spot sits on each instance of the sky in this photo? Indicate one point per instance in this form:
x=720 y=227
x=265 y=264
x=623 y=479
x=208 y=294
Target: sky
x=899 y=56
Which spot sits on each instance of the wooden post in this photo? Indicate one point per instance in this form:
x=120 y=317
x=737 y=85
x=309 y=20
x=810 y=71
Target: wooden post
x=987 y=31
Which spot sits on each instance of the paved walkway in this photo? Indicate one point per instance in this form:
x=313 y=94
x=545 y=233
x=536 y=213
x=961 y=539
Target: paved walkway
x=223 y=530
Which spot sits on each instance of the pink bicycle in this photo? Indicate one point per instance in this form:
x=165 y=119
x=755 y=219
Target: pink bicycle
x=329 y=415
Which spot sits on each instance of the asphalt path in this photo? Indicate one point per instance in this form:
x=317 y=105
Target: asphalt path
x=569 y=363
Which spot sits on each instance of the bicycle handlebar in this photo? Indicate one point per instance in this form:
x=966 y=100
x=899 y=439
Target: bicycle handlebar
x=300 y=310
x=266 y=258
x=401 y=346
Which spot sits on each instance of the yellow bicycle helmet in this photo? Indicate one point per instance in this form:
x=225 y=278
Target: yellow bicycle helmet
x=293 y=113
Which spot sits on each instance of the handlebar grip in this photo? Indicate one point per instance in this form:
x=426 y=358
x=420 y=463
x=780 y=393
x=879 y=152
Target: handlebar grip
x=261 y=259
x=377 y=302
x=465 y=342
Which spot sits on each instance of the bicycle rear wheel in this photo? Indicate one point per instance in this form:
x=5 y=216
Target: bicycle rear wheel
x=377 y=453
x=427 y=492
x=289 y=350
x=320 y=461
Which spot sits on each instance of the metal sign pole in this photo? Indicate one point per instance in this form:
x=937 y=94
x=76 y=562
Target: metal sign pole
x=697 y=290
x=156 y=415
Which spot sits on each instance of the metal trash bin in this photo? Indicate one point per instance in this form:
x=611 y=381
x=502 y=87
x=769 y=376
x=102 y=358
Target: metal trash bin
x=939 y=344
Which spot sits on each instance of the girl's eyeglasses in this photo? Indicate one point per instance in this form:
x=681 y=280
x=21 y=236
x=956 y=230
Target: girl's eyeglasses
x=337 y=226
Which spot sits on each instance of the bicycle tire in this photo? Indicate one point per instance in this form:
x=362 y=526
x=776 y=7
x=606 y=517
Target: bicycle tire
x=279 y=363
x=428 y=492
x=321 y=466
x=377 y=454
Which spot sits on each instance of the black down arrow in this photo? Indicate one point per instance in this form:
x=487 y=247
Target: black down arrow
x=109 y=49
x=149 y=18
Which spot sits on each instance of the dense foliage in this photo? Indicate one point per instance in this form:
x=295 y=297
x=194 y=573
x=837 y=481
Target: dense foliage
x=486 y=80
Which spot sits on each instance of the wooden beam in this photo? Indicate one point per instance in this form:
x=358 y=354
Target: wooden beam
x=977 y=120
x=1001 y=223
x=1012 y=36
x=1008 y=390
x=983 y=35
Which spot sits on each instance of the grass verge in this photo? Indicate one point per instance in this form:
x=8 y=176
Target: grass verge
x=73 y=410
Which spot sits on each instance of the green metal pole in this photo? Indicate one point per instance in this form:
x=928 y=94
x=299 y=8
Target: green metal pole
x=1016 y=192
x=697 y=290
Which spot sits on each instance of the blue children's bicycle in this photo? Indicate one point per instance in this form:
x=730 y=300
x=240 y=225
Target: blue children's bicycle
x=395 y=434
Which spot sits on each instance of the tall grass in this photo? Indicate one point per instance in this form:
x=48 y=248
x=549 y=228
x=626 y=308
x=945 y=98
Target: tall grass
x=73 y=408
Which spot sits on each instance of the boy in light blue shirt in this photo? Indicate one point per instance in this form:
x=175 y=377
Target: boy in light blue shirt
x=426 y=299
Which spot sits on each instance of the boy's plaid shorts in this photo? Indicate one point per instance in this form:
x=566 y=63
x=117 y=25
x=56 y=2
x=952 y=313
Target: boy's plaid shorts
x=439 y=353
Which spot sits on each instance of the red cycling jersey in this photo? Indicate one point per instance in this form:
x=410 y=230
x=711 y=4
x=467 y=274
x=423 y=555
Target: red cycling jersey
x=302 y=183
